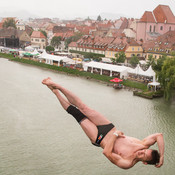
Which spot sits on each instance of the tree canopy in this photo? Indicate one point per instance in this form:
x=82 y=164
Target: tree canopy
x=134 y=61
x=56 y=41
x=10 y=22
x=50 y=48
x=73 y=38
x=167 y=77
x=120 y=57
x=151 y=61
x=43 y=32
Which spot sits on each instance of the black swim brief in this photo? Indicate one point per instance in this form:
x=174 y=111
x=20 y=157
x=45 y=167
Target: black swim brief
x=102 y=131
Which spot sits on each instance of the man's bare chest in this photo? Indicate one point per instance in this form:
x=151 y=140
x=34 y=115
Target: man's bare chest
x=126 y=147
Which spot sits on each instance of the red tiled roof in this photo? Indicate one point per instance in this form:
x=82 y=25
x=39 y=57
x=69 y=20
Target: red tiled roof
x=73 y=44
x=37 y=34
x=64 y=34
x=58 y=34
x=147 y=17
x=164 y=41
x=71 y=25
x=1 y=25
x=163 y=14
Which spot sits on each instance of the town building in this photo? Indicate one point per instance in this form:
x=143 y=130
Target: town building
x=89 y=43
x=11 y=37
x=155 y=23
x=163 y=45
x=38 y=40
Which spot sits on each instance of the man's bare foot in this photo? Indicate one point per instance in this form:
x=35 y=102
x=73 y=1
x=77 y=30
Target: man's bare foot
x=47 y=81
x=50 y=83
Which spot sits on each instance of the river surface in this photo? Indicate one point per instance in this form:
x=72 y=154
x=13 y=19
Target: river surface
x=37 y=137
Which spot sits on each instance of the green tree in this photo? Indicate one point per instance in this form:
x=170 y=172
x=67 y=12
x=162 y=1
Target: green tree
x=151 y=61
x=50 y=48
x=134 y=61
x=56 y=41
x=167 y=77
x=158 y=65
x=120 y=57
x=173 y=53
x=99 y=18
x=43 y=32
x=113 y=60
x=73 y=38
x=10 y=22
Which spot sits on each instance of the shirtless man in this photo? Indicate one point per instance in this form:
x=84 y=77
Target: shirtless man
x=121 y=150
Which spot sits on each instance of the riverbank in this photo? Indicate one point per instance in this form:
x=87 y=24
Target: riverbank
x=132 y=85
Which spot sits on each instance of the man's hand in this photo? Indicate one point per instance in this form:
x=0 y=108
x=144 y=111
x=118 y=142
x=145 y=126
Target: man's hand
x=160 y=162
x=119 y=133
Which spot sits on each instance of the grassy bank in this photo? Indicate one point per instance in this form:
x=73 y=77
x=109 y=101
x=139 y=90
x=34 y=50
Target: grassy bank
x=75 y=72
x=149 y=94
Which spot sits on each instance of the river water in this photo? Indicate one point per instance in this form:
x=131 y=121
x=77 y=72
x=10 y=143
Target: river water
x=37 y=137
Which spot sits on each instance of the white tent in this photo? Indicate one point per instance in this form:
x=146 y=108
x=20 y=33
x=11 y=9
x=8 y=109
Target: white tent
x=123 y=70
x=154 y=84
x=50 y=58
x=138 y=70
x=35 y=53
x=106 y=60
x=29 y=48
x=150 y=73
x=142 y=62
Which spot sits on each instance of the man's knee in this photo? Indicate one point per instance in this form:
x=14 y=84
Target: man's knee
x=84 y=109
x=76 y=113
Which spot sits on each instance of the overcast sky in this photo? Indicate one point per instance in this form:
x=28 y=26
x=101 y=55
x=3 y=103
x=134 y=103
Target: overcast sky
x=81 y=8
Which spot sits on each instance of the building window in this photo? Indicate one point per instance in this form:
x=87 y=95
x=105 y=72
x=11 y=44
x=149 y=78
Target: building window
x=161 y=27
x=132 y=48
x=43 y=40
x=170 y=28
x=154 y=29
x=150 y=28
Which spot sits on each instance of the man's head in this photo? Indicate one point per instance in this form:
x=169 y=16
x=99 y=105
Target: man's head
x=148 y=156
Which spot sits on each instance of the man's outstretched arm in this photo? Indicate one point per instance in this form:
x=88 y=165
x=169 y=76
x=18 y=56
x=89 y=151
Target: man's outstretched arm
x=152 y=139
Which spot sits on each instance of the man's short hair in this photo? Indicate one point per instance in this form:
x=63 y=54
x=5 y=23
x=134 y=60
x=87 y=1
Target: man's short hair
x=155 y=158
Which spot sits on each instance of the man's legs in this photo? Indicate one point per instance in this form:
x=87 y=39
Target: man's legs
x=94 y=116
x=88 y=127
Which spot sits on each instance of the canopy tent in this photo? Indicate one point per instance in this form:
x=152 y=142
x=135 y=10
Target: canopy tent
x=123 y=70
x=142 y=62
x=27 y=54
x=154 y=84
x=138 y=70
x=13 y=50
x=106 y=60
x=29 y=48
x=150 y=73
x=50 y=58
x=116 y=80
x=35 y=53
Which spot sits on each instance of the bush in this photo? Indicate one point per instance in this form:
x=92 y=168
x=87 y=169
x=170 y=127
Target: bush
x=88 y=54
